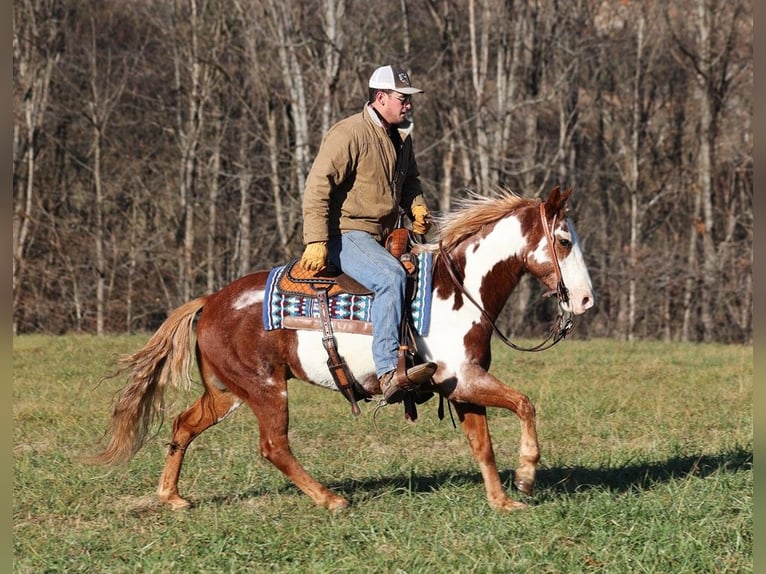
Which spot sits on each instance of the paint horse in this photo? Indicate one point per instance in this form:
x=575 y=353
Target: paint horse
x=483 y=249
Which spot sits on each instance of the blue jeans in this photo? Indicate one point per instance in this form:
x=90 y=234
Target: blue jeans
x=360 y=256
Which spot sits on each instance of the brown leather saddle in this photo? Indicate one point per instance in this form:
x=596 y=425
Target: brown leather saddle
x=296 y=280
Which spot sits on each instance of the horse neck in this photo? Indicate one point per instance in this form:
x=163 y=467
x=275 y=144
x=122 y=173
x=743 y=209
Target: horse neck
x=485 y=271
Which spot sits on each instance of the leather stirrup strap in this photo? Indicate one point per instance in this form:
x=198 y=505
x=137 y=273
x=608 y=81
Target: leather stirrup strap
x=410 y=408
x=343 y=378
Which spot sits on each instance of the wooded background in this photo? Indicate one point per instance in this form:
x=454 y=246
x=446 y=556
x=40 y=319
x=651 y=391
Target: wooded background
x=160 y=147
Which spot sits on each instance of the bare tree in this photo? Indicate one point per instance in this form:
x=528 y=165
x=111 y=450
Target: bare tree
x=196 y=177
x=105 y=91
x=194 y=80
x=711 y=56
x=37 y=45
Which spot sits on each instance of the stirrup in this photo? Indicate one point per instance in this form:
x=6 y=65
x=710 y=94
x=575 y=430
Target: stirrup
x=395 y=387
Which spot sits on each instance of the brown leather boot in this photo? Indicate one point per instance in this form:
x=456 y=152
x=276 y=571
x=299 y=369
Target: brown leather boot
x=416 y=376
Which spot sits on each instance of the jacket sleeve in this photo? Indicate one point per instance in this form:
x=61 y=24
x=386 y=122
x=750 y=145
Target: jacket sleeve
x=331 y=167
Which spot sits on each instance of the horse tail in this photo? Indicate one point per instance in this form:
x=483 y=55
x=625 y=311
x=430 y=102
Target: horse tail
x=166 y=358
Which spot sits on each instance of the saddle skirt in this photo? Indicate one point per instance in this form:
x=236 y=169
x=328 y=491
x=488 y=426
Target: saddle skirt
x=290 y=301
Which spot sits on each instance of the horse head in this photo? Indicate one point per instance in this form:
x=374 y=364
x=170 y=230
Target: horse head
x=556 y=257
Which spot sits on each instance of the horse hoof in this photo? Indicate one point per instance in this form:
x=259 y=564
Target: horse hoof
x=509 y=505
x=177 y=503
x=337 y=504
x=525 y=486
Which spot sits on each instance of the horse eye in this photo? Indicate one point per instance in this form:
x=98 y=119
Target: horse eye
x=565 y=242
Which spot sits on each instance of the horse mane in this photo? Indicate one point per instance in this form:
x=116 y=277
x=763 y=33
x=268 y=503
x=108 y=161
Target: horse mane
x=472 y=212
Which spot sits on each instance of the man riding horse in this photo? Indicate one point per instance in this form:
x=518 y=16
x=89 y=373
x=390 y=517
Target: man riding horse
x=364 y=172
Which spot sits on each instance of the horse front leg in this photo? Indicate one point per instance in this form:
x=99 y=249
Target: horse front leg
x=473 y=419
x=478 y=390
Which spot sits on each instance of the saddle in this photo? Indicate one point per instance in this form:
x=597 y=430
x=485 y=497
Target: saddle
x=296 y=280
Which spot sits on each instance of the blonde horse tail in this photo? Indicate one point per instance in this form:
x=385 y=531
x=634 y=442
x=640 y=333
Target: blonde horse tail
x=167 y=358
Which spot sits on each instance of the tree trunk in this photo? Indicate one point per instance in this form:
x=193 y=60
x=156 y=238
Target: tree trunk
x=193 y=78
x=334 y=14
x=212 y=208
x=633 y=176
x=691 y=289
x=479 y=44
x=288 y=39
x=705 y=169
x=244 y=180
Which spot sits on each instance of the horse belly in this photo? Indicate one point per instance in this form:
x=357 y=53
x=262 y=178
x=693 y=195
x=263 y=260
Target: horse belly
x=356 y=351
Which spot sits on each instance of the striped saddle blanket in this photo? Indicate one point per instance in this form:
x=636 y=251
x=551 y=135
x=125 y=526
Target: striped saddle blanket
x=348 y=311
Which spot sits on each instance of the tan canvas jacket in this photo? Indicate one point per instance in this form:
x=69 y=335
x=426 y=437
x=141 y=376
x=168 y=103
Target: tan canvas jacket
x=354 y=183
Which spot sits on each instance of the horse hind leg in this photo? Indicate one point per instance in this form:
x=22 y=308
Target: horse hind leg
x=271 y=410
x=212 y=407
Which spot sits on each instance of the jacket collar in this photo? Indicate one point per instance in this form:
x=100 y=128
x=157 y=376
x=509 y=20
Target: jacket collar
x=404 y=128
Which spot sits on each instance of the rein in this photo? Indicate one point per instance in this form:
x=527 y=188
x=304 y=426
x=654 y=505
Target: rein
x=564 y=323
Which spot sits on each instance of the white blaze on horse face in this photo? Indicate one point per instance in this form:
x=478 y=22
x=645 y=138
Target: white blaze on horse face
x=574 y=272
x=448 y=325
x=248 y=299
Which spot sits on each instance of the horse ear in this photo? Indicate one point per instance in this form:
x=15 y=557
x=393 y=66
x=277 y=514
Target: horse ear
x=557 y=199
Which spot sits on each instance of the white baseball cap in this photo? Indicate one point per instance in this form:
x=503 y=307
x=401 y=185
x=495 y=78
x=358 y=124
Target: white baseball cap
x=392 y=78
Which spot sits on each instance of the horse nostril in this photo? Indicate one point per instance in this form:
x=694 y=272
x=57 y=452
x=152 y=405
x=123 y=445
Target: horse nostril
x=587 y=302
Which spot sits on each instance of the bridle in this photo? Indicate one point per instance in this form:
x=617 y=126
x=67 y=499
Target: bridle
x=564 y=322
x=562 y=293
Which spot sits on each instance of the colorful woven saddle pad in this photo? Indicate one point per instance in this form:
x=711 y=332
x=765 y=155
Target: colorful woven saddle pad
x=285 y=310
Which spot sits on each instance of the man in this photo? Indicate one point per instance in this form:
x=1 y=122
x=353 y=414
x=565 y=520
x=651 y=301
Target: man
x=364 y=172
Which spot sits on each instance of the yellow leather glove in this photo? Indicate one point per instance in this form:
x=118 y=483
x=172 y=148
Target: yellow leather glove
x=422 y=220
x=314 y=257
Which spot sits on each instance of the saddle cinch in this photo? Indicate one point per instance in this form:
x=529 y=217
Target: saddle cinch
x=329 y=282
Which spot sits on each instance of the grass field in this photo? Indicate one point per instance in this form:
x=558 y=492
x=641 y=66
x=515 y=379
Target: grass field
x=647 y=466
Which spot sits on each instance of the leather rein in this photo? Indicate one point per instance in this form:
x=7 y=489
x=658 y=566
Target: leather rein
x=563 y=324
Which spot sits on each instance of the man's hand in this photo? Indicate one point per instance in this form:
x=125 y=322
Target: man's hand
x=315 y=256
x=422 y=220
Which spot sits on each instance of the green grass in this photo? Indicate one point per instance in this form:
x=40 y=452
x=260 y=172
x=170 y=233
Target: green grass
x=646 y=467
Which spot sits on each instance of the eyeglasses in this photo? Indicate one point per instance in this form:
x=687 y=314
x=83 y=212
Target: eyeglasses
x=403 y=100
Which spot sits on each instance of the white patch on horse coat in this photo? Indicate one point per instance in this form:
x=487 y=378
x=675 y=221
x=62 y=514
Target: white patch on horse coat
x=248 y=298
x=355 y=349
x=233 y=408
x=542 y=253
x=444 y=341
x=504 y=241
